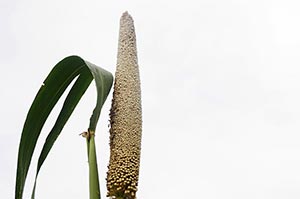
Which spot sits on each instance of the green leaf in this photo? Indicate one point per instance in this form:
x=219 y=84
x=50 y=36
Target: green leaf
x=52 y=89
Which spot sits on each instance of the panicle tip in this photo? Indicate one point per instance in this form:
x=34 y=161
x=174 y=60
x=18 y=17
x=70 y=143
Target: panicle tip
x=126 y=17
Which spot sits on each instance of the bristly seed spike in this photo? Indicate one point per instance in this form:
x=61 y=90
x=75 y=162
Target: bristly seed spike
x=125 y=117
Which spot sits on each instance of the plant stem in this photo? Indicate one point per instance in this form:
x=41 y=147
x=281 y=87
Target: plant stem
x=93 y=169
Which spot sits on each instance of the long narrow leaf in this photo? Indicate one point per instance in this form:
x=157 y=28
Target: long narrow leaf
x=75 y=94
x=50 y=92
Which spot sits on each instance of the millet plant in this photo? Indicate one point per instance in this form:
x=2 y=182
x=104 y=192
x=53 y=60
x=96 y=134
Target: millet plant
x=125 y=117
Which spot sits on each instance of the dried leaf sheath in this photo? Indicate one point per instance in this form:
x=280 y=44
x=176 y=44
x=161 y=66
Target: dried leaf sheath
x=126 y=117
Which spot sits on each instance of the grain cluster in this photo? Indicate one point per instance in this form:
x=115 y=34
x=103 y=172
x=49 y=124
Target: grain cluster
x=125 y=117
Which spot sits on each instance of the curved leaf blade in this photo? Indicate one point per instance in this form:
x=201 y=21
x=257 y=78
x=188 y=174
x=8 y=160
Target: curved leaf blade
x=75 y=94
x=50 y=92
x=102 y=91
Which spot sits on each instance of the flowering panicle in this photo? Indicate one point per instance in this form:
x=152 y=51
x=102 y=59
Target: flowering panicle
x=125 y=117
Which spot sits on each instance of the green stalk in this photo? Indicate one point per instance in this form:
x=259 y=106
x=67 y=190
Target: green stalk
x=93 y=168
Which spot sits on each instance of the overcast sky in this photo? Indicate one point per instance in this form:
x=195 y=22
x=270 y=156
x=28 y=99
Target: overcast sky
x=220 y=93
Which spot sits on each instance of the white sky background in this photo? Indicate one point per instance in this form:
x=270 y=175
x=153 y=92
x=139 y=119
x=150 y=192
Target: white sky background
x=220 y=89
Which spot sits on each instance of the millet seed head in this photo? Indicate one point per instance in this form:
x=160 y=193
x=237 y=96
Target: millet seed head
x=125 y=117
